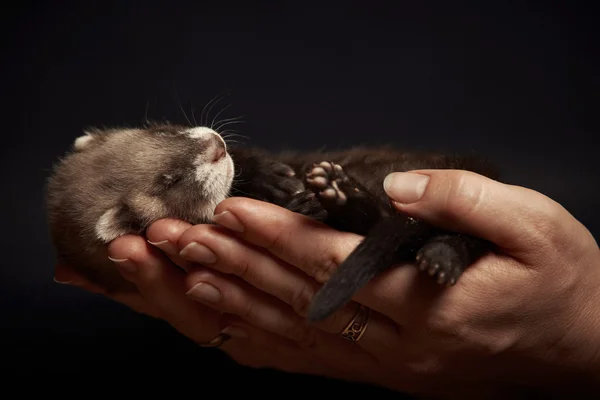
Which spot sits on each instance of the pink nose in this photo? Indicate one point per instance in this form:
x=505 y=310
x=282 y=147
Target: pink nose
x=220 y=151
x=219 y=154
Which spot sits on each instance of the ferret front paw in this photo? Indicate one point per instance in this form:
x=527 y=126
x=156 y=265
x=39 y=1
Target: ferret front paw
x=327 y=180
x=275 y=182
x=306 y=203
x=441 y=261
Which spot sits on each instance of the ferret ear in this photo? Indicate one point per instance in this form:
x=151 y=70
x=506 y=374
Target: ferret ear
x=116 y=222
x=85 y=141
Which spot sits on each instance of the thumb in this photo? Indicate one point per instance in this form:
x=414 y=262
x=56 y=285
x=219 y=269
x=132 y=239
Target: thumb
x=516 y=219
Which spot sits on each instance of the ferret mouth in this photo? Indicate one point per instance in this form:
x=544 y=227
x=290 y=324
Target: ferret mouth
x=229 y=171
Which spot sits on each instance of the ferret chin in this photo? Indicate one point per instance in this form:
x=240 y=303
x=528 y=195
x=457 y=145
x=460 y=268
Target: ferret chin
x=119 y=181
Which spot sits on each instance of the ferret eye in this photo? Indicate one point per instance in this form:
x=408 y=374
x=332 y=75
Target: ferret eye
x=170 y=180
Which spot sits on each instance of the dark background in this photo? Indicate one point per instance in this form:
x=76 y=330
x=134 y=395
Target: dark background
x=517 y=84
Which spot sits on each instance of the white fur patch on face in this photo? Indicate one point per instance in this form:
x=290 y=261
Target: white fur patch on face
x=216 y=180
x=83 y=142
x=108 y=228
x=200 y=132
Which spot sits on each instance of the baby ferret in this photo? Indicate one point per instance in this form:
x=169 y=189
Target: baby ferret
x=118 y=181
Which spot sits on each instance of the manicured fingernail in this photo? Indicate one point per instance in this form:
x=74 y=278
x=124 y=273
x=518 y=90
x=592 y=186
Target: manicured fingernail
x=235 y=331
x=125 y=264
x=198 y=253
x=205 y=292
x=405 y=187
x=61 y=282
x=229 y=221
x=165 y=246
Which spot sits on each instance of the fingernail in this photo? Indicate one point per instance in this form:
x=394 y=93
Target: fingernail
x=235 y=331
x=61 y=282
x=228 y=220
x=205 y=292
x=198 y=253
x=405 y=187
x=165 y=246
x=125 y=264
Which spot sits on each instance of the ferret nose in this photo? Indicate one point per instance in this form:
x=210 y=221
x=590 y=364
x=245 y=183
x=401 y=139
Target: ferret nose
x=220 y=150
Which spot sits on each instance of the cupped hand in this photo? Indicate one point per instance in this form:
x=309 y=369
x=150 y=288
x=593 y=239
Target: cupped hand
x=162 y=294
x=523 y=316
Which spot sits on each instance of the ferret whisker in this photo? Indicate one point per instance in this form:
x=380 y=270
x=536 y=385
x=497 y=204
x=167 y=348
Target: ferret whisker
x=146 y=112
x=231 y=123
x=204 y=109
x=244 y=193
x=223 y=124
x=228 y=134
x=216 y=116
x=230 y=142
x=192 y=110
x=182 y=110
x=232 y=131
x=207 y=115
x=235 y=133
x=217 y=125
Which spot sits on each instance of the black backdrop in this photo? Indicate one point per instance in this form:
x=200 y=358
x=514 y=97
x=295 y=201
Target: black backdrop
x=516 y=84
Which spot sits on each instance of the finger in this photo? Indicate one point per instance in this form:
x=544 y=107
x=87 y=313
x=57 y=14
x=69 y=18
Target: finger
x=257 y=348
x=65 y=275
x=275 y=297
x=214 y=247
x=296 y=239
x=164 y=234
x=228 y=254
x=517 y=219
x=163 y=285
x=236 y=297
x=314 y=248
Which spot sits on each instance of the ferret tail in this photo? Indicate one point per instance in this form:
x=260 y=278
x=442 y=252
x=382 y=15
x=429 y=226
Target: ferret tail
x=391 y=241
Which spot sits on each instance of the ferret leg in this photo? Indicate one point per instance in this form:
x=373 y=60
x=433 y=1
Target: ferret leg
x=349 y=207
x=445 y=257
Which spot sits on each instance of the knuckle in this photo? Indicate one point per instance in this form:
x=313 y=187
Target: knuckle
x=167 y=228
x=194 y=234
x=240 y=268
x=323 y=266
x=200 y=276
x=427 y=367
x=279 y=241
x=304 y=336
x=337 y=321
x=308 y=340
x=547 y=222
x=444 y=321
x=302 y=299
x=299 y=332
x=247 y=311
x=463 y=196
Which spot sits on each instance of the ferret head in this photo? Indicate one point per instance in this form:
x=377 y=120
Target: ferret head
x=118 y=181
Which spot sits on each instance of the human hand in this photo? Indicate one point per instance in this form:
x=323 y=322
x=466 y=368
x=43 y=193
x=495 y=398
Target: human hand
x=524 y=316
x=161 y=294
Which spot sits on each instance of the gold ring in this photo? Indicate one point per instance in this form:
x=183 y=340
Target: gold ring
x=216 y=342
x=357 y=327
